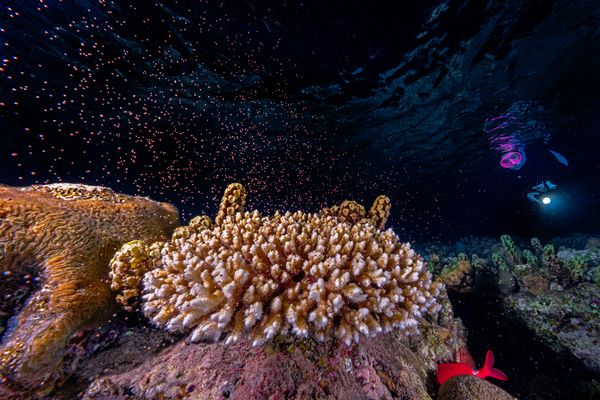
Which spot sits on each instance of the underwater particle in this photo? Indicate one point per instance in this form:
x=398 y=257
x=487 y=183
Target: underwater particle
x=294 y=274
x=70 y=232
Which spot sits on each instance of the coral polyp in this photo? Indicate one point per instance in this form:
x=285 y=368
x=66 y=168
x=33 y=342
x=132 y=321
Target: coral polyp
x=297 y=274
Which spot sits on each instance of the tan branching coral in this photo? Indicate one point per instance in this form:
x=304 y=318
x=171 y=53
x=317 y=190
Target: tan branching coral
x=127 y=268
x=200 y=223
x=234 y=200
x=134 y=259
x=182 y=232
x=332 y=211
x=380 y=211
x=350 y=211
x=65 y=234
x=294 y=273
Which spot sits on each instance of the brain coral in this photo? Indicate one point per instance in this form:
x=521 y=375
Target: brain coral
x=293 y=273
x=64 y=235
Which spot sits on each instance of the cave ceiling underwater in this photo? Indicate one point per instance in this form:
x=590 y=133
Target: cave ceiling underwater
x=305 y=102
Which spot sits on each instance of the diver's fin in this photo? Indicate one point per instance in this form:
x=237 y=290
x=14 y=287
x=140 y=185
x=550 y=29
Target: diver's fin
x=561 y=159
x=531 y=197
x=449 y=370
x=549 y=185
x=488 y=369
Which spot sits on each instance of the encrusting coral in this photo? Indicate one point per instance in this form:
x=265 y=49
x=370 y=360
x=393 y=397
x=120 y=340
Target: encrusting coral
x=457 y=274
x=293 y=273
x=66 y=235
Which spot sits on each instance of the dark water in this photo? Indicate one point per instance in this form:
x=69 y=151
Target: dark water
x=308 y=104
x=312 y=102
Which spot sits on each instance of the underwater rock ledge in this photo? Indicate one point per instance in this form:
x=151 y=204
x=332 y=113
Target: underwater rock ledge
x=529 y=294
x=383 y=367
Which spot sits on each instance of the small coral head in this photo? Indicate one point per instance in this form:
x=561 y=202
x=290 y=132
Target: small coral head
x=296 y=274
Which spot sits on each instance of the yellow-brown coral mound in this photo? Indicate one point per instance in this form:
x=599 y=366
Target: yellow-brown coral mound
x=66 y=234
x=351 y=211
x=296 y=273
x=233 y=201
x=127 y=268
x=380 y=211
x=200 y=223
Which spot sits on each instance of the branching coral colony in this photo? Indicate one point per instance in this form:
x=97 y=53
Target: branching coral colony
x=336 y=273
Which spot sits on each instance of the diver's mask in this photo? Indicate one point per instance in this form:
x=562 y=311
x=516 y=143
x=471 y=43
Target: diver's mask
x=514 y=159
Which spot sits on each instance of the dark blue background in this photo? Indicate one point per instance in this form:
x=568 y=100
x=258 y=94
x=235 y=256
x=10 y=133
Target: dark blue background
x=307 y=103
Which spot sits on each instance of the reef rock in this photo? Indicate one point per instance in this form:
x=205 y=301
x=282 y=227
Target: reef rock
x=567 y=321
x=468 y=387
x=388 y=366
x=536 y=284
x=56 y=242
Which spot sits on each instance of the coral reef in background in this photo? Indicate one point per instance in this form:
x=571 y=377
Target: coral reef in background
x=62 y=236
x=333 y=274
x=555 y=294
x=457 y=273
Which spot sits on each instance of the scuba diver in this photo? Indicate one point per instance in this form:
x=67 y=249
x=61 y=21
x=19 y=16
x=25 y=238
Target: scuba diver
x=521 y=127
x=539 y=189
